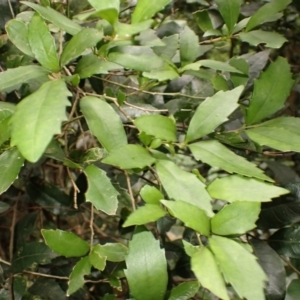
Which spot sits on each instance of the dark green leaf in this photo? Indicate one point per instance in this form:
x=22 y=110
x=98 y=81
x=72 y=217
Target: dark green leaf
x=189 y=46
x=293 y=290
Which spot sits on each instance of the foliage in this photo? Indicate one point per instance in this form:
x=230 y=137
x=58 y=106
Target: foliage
x=142 y=147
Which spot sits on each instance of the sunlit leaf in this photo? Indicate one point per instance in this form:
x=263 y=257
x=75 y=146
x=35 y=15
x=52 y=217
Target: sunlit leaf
x=151 y=194
x=184 y=291
x=115 y=252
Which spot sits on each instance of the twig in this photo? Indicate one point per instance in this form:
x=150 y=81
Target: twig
x=289 y=264
x=11 y=9
x=76 y=189
x=12 y=228
x=91 y=225
x=130 y=190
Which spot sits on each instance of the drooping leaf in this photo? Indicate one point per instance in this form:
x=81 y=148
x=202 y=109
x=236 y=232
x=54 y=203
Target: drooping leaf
x=230 y=11
x=115 y=252
x=191 y=215
x=256 y=37
x=273 y=266
x=129 y=157
x=151 y=194
x=184 y=291
x=189 y=46
x=237 y=188
x=42 y=43
x=65 y=243
x=230 y=257
x=136 y=57
x=213 y=112
x=145 y=10
x=145 y=214
x=146 y=263
x=184 y=186
x=108 y=10
x=13 y=78
x=97 y=260
x=17 y=32
x=101 y=192
x=266 y=12
x=236 y=218
x=216 y=154
x=159 y=126
x=11 y=162
x=55 y=18
x=31 y=253
x=86 y=38
x=33 y=129
x=101 y=119
x=82 y=268
x=269 y=95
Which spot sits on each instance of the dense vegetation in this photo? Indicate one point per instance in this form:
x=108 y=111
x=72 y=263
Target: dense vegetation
x=149 y=149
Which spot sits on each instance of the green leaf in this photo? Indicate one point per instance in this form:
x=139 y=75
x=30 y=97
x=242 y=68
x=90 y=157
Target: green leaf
x=86 y=38
x=184 y=186
x=136 y=57
x=192 y=216
x=167 y=72
x=203 y=20
x=97 y=260
x=170 y=48
x=213 y=112
x=129 y=157
x=6 y=111
x=65 y=243
x=82 y=268
x=42 y=44
x=289 y=123
x=125 y=30
x=160 y=127
x=293 y=290
x=17 y=32
x=108 y=10
x=206 y=269
x=13 y=78
x=236 y=188
x=151 y=194
x=10 y=164
x=90 y=64
x=189 y=46
x=101 y=119
x=101 y=192
x=42 y=122
x=184 y=291
x=217 y=155
x=30 y=254
x=269 y=94
x=236 y=218
x=256 y=37
x=267 y=11
x=145 y=10
x=248 y=280
x=230 y=10
x=146 y=263
x=145 y=214
x=275 y=137
x=55 y=18
x=115 y=252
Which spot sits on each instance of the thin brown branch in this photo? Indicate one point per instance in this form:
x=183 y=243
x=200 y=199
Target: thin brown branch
x=75 y=187
x=130 y=190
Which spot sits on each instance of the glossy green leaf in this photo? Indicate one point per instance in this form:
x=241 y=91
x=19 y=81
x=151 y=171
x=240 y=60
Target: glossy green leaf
x=184 y=186
x=275 y=137
x=237 y=188
x=151 y=194
x=207 y=271
x=108 y=10
x=42 y=44
x=65 y=243
x=97 y=260
x=267 y=11
x=86 y=38
x=270 y=94
x=216 y=154
x=184 y=291
x=145 y=10
x=192 y=216
x=82 y=268
x=55 y=18
x=115 y=252
x=101 y=192
x=189 y=46
x=102 y=118
x=160 y=127
x=136 y=57
x=230 y=256
x=90 y=64
x=230 y=10
x=33 y=129
x=270 y=39
x=129 y=157
x=213 y=112
x=146 y=263
x=17 y=32
x=145 y=214
x=236 y=218
x=13 y=78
